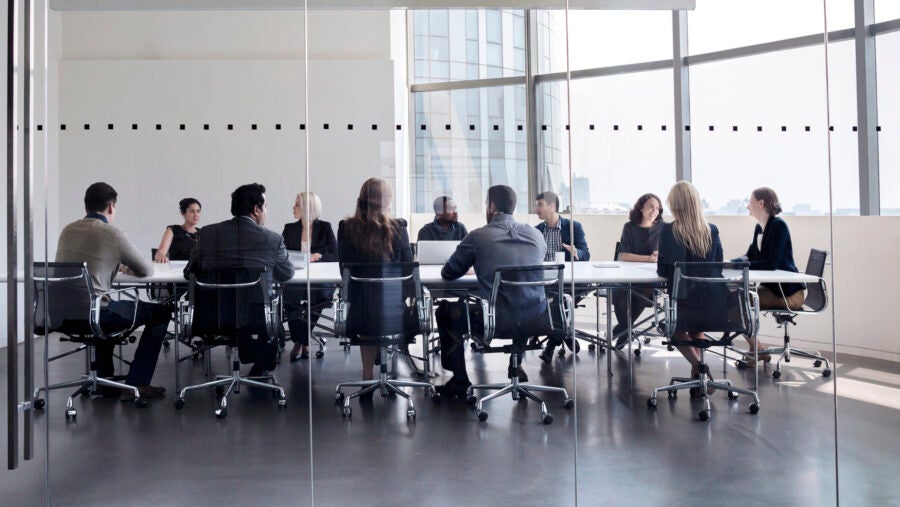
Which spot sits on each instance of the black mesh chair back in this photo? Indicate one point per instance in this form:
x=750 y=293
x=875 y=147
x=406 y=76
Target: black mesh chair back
x=712 y=297
x=617 y=251
x=816 y=296
x=229 y=302
x=63 y=294
x=381 y=300
x=525 y=302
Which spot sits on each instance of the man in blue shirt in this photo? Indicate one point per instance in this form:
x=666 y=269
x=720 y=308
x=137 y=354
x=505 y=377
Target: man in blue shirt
x=446 y=225
x=502 y=242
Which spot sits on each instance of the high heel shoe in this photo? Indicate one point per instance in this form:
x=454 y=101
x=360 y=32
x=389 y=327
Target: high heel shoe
x=747 y=361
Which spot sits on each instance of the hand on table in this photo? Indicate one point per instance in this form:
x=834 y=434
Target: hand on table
x=572 y=251
x=160 y=257
x=315 y=257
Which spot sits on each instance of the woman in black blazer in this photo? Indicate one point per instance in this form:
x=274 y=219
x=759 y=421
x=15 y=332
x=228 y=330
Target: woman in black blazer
x=774 y=252
x=371 y=235
x=688 y=238
x=321 y=247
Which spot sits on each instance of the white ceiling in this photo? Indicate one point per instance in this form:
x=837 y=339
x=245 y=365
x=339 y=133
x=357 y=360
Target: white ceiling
x=194 y=5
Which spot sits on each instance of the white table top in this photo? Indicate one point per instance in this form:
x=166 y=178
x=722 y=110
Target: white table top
x=600 y=273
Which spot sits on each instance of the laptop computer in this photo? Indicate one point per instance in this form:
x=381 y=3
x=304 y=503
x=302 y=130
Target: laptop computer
x=298 y=259
x=435 y=252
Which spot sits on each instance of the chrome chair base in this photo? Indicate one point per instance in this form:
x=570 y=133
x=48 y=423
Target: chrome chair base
x=703 y=383
x=385 y=384
x=228 y=384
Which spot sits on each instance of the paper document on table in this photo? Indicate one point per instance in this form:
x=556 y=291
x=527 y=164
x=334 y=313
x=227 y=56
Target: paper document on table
x=605 y=265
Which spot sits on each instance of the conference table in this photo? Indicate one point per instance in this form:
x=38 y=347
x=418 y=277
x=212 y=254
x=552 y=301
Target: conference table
x=583 y=277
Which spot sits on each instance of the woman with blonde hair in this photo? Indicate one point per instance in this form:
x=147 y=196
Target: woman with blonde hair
x=319 y=243
x=688 y=238
x=372 y=236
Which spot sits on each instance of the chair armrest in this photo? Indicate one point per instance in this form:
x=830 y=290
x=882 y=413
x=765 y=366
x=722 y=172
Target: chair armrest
x=97 y=306
x=339 y=306
x=568 y=311
x=426 y=315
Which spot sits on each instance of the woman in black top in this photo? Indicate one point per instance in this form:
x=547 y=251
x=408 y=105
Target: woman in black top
x=774 y=252
x=178 y=240
x=320 y=246
x=688 y=238
x=639 y=243
x=371 y=235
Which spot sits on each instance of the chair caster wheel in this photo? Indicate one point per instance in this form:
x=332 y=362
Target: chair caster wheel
x=220 y=391
x=547 y=418
x=436 y=397
x=673 y=395
x=637 y=353
x=732 y=396
x=320 y=354
x=338 y=398
x=166 y=344
x=646 y=341
x=754 y=407
x=776 y=374
x=591 y=347
x=817 y=363
x=346 y=412
x=826 y=373
x=471 y=399
x=651 y=403
x=140 y=402
x=179 y=403
x=670 y=348
x=39 y=403
x=482 y=416
x=221 y=413
x=704 y=415
x=282 y=403
x=71 y=414
x=411 y=415
x=569 y=403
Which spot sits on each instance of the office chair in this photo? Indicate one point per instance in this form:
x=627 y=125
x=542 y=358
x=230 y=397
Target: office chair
x=301 y=310
x=815 y=303
x=703 y=298
x=514 y=287
x=227 y=307
x=383 y=305
x=65 y=302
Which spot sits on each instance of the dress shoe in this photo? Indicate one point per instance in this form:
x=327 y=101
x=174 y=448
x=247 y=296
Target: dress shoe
x=454 y=388
x=257 y=371
x=523 y=377
x=547 y=355
x=146 y=391
x=621 y=342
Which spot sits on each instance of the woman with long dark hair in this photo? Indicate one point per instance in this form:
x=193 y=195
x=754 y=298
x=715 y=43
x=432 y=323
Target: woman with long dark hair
x=371 y=235
x=178 y=240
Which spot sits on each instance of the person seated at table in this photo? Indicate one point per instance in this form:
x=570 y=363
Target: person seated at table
x=320 y=245
x=446 y=225
x=243 y=243
x=178 y=240
x=502 y=242
x=688 y=238
x=557 y=235
x=107 y=251
x=639 y=243
x=774 y=252
x=556 y=230
x=372 y=236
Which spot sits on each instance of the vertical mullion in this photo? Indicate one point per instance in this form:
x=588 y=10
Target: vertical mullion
x=681 y=76
x=12 y=309
x=28 y=223
x=866 y=110
x=531 y=148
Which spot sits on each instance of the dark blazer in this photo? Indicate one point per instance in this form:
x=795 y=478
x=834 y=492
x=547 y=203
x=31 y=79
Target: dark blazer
x=322 y=239
x=240 y=243
x=671 y=251
x=580 y=243
x=347 y=252
x=775 y=252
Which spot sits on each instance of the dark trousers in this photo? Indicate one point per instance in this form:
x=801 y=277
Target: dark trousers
x=297 y=311
x=452 y=326
x=620 y=306
x=117 y=316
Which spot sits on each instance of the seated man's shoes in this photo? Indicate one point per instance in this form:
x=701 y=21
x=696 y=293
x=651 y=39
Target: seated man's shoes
x=547 y=355
x=518 y=372
x=454 y=388
x=146 y=391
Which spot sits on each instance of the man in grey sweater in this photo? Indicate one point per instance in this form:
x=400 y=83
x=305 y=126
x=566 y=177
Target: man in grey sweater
x=104 y=248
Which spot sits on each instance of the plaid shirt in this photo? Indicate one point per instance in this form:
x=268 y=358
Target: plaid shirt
x=553 y=240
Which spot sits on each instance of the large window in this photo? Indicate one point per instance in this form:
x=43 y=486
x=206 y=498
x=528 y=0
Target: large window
x=887 y=55
x=472 y=139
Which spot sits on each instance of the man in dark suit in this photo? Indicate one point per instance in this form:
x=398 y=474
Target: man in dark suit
x=241 y=243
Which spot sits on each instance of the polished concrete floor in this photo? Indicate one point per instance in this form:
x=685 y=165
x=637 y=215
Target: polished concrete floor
x=609 y=450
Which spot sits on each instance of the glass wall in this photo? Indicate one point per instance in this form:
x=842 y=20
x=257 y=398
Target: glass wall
x=583 y=104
